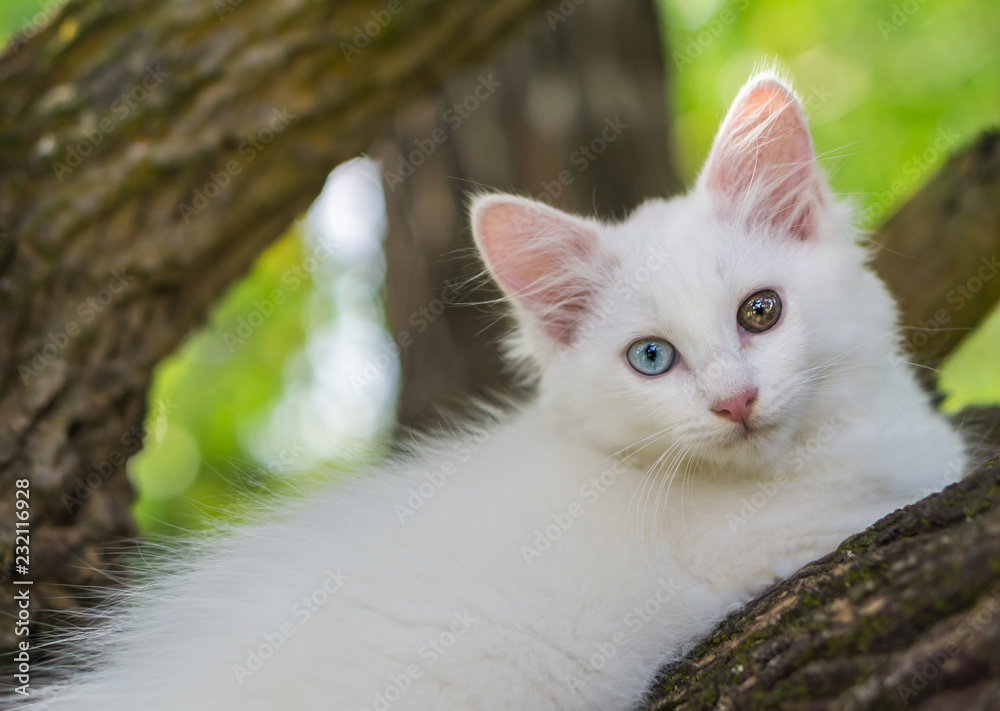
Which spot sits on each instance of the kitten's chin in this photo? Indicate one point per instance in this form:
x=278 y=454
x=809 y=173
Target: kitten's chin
x=753 y=444
x=757 y=432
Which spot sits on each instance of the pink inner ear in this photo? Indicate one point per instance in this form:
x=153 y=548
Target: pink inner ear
x=545 y=260
x=762 y=164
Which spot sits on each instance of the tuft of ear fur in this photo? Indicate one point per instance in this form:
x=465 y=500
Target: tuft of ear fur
x=548 y=262
x=762 y=167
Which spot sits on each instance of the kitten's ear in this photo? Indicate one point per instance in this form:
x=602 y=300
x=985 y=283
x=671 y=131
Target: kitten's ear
x=762 y=167
x=548 y=262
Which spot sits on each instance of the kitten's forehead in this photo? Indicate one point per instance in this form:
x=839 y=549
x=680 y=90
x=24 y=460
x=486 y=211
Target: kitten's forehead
x=690 y=267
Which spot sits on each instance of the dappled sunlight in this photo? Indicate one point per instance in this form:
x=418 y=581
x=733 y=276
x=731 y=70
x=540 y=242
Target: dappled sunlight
x=324 y=415
x=267 y=394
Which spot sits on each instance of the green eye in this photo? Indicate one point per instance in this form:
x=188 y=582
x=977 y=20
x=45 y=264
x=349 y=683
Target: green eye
x=760 y=311
x=651 y=356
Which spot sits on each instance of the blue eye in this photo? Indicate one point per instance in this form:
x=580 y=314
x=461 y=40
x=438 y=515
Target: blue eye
x=651 y=356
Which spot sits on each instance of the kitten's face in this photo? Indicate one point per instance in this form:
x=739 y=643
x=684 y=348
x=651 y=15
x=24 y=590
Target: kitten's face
x=680 y=279
x=708 y=326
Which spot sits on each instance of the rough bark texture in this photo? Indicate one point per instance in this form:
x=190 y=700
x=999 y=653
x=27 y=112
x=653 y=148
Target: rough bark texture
x=149 y=150
x=579 y=119
x=941 y=253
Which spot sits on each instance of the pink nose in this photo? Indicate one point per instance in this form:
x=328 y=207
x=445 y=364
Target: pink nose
x=736 y=408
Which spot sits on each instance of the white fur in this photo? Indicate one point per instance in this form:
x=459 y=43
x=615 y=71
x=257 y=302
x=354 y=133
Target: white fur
x=555 y=589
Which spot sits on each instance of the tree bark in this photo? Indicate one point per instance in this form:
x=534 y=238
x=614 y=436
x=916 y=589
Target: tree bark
x=576 y=114
x=149 y=150
x=940 y=254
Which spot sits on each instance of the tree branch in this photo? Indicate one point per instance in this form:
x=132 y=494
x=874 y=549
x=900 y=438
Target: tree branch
x=940 y=253
x=149 y=150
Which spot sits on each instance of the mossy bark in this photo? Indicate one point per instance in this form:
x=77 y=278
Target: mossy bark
x=149 y=150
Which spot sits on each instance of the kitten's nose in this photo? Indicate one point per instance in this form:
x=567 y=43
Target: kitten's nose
x=736 y=408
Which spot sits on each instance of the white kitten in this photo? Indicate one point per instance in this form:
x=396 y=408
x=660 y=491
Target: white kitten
x=719 y=403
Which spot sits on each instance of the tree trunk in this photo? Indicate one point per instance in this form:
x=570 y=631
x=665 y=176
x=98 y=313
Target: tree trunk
x=574 y=113
x=149 y=149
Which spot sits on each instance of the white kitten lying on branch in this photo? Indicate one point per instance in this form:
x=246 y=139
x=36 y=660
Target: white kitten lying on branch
x=719 y=403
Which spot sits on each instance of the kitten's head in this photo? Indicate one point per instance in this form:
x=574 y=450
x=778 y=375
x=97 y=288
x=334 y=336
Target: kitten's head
x=711 y=325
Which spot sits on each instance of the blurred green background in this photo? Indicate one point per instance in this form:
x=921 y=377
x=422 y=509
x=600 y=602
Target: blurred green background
x=890 y=89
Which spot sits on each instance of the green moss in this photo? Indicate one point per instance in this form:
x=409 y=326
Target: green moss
x=995 y=564
x=807 y=598
x=860 y=574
